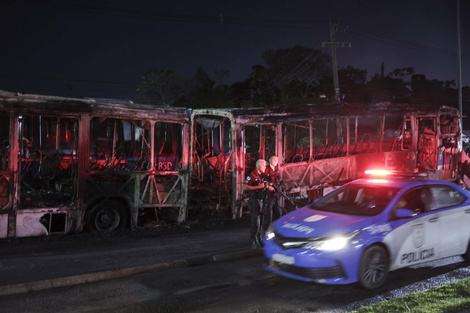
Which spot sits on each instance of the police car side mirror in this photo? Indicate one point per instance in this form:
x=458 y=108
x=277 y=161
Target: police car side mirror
x=404 y=213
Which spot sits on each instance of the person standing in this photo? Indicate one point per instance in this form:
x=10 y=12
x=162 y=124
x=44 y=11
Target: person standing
x=255 y=186
x=273 y=198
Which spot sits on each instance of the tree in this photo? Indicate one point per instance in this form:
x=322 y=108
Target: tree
x=432 y=91
x=162 y=88
x=243 y=95
x=291 y=76
x=392 y=87
x=353 y=84
x=203 y=94
x=255 y=91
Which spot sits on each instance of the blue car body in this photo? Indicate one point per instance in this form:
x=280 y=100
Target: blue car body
x=325 y=242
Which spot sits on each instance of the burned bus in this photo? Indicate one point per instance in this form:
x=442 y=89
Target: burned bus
x=66 y=164
x=319 y=147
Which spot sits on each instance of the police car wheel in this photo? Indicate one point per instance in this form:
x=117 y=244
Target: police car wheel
x=466 y=255
x=373 y=270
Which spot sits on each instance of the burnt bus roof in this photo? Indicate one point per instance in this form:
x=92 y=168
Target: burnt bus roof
x=301 y=112
x=124 y=108
x=40 y=104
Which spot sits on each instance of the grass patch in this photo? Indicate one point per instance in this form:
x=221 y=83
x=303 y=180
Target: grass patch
x=454 y=297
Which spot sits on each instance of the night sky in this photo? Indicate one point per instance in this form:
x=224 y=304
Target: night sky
x=89 y=48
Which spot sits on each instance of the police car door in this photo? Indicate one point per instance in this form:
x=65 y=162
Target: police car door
x=452 y=218
x=416 y=239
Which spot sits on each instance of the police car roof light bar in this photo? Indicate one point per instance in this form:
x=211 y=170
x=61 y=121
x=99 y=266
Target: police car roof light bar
x=378 y=172
x=398 y=174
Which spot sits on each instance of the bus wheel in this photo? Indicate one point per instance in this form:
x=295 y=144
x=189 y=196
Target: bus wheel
x=107 y=216
x=373 y=269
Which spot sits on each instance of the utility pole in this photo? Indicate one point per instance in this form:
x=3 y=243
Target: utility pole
x=459 y=56
x=333 y=44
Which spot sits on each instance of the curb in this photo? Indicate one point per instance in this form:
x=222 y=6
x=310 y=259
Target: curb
x=123 y=272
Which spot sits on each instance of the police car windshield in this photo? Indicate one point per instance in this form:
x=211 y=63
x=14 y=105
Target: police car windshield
x=356 y=200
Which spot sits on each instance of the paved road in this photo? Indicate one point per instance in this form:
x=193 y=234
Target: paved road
x=32 y=264
x=88 y=257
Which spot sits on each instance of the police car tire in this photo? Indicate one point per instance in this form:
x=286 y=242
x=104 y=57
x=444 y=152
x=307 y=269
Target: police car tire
x=373 y=268
x=466 y=255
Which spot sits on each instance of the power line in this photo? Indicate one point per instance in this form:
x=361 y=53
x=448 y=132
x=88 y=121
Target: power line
x=306 y=64
x=309 y=62
x=379 y=36
x=61 y=79
x=221 y=19
x=169 y=16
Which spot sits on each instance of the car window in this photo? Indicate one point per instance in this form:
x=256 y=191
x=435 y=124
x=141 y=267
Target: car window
x=445 y=196
x=414 y=199
x=356 y=200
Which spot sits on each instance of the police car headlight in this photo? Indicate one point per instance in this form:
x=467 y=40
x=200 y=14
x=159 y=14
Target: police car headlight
x=270 y=232
x=333 y=243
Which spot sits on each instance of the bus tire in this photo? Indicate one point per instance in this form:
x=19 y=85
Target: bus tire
x=107 y=216
x=373 y=269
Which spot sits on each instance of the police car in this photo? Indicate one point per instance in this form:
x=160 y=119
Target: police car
x=368 y=227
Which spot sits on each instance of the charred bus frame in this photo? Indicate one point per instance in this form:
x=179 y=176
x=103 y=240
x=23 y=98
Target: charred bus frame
x=69 y=163
x=319 y=147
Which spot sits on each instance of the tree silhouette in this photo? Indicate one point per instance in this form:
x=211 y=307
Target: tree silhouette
x=204 y=94
x=161 y=88
x=295 y=76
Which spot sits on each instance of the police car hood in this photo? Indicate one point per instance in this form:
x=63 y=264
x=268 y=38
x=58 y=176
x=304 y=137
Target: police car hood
x=306 y=223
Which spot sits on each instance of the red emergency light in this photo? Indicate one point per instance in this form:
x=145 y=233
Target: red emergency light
x=378 y=172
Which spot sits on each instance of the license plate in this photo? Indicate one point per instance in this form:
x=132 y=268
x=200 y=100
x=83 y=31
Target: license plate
x=283 y=258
